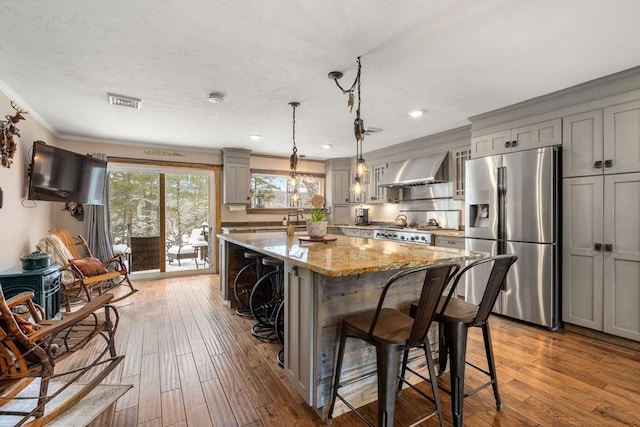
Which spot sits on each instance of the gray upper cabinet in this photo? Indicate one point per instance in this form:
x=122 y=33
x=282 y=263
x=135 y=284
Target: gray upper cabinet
x=536 y=135
x=338 y=171
x=582 y=144
x=602 y=141
x=376 y=194
x=458 y=159
x=622 y=138
x=487 y=145
x=340 y=187
x=236 y=175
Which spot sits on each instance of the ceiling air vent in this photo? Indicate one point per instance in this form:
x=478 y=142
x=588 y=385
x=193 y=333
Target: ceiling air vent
x=124 y=101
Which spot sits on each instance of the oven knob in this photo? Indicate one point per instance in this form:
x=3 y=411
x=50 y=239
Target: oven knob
x=421 y=237
x=413 y=238
x=402 y=237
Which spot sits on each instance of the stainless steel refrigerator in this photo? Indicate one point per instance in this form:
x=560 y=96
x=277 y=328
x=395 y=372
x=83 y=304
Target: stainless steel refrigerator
x=512 y=206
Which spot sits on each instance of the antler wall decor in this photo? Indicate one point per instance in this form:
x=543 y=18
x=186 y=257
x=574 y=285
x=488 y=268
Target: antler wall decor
x=8 y=130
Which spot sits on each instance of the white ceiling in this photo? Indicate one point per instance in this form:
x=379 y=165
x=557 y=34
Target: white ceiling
x=454 y=59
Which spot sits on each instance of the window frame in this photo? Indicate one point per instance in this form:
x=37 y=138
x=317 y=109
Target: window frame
x=284 y=174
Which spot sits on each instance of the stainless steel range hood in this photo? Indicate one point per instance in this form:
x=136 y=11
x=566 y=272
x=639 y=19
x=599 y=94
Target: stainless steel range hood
x=423 y=170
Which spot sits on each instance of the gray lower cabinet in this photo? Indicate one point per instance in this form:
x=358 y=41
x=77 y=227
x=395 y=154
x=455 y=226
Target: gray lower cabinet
x=358 y=232
x=449 y=242
x=299 y=340
x=601 y=253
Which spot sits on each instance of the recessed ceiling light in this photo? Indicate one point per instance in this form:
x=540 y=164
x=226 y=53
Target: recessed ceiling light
x=416 y=113
x=326 y=146
x=255 y=137
x=216 y=97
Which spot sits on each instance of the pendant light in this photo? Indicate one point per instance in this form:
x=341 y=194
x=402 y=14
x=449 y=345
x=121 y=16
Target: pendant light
x=293 y=160
x=361 y=173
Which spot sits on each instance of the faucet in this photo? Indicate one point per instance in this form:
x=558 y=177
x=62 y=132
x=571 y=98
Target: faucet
x=298 y=215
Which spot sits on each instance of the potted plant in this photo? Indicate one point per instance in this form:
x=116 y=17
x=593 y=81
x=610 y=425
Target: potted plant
x=317 y=225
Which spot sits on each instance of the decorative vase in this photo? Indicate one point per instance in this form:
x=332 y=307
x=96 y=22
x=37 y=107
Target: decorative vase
x=316 y=229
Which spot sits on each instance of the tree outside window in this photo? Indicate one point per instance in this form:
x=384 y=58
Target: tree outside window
x=271 y=190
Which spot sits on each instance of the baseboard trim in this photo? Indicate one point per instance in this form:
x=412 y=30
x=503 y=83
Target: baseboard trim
x=602 y=336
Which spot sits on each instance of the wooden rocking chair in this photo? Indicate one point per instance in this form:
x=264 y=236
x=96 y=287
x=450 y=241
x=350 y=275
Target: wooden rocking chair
x=114 y=272
x=30 y=350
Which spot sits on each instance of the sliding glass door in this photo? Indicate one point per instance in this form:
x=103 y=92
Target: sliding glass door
x=161 y=216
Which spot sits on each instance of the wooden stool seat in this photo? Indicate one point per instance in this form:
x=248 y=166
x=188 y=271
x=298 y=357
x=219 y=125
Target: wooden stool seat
x=253 y=255
x=273 y=262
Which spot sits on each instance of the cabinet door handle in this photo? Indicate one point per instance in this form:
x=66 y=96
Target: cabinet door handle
x=597 y=164
x=608 y=163
x=507 y=144
x=597 y=247
x=608 y=247
x=514 y=143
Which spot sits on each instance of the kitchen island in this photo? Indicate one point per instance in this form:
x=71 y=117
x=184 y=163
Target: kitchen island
x=323 y=283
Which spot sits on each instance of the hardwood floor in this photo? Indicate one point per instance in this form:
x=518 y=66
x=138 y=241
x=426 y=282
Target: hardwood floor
x=193 y=363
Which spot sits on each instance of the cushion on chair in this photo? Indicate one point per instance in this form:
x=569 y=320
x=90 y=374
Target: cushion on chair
x=89 y=266
x=182 y=250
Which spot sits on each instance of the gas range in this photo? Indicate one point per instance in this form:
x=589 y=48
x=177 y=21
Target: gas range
x=406 y=235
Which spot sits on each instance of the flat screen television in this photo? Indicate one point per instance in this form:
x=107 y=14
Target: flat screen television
x=58 y=175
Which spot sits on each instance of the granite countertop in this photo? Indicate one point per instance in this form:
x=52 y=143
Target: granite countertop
x=346 y=256
x=254 y=228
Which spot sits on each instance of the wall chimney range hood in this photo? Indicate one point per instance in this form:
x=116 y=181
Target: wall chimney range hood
x=420 y=171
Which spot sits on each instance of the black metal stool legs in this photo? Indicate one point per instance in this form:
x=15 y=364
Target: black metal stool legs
x=387 y=359
x=488 y=347
x=456 y=338
x=336 y=378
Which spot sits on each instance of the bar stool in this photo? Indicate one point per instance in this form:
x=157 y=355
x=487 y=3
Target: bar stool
x=245 y=280
x=391 y=332
x=265 y=299
x=455 y=317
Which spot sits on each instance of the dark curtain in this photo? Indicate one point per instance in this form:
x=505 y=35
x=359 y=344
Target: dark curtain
x=99 y=238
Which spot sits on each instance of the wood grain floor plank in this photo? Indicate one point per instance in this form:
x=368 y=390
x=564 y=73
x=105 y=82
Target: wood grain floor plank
x=220 y=413
x=202 y=358
x=199 y=416
x=151 y=423
x=189 y=384
x=125 y=418
x=130 y=398
x=149 y=402
x=243 y=408
x=172 y=407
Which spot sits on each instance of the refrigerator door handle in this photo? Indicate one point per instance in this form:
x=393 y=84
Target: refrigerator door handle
x=502 y=211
